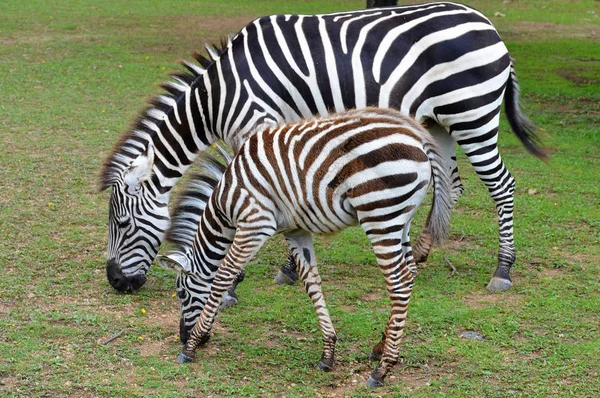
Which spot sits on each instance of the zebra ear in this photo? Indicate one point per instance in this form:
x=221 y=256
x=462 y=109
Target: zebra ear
x=175 y=261
x=140 y=169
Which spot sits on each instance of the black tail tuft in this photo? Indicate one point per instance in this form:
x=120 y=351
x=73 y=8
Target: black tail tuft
x=524 y=128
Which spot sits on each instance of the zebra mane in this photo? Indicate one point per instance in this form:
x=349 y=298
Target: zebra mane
x=190 y=204
x=134 y=141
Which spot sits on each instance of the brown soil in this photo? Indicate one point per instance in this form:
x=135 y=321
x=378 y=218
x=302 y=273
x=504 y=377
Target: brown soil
x=484 y=299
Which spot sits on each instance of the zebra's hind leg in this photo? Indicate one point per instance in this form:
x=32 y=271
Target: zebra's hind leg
x=287 y=275
x=503 y=195
x=488 y=164
x=422 y=246
x=399 y=281
x=377 y=351
x=302 y=250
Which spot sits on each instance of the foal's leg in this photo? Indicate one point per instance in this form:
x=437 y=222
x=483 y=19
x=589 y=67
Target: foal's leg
x=399 y=282
x=244 y=247
x=377 y=351
x=302 y=250
x=390 y=245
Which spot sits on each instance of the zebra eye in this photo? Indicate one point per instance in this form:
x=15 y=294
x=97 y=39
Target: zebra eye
x=123 y=222
x=181 y=294
x=133 y=190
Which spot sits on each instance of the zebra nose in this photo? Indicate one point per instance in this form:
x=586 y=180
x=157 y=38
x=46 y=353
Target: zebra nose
x=122 y=282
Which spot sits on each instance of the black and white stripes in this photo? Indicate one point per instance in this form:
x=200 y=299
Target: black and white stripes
x=443 y=63
x=371 y=166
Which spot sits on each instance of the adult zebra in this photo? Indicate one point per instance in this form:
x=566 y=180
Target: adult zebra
x=371 y=166
x=443 y=63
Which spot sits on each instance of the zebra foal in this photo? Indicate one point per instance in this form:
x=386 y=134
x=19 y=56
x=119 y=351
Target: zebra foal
x=371 y=166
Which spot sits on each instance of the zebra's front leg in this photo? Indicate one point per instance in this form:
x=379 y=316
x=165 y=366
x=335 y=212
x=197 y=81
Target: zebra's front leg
x=245 y=245
x=287 y=275
x=200 y=334
x=303 y=253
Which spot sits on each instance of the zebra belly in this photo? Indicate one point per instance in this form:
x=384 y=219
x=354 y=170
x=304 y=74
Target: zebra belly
x=334 y=215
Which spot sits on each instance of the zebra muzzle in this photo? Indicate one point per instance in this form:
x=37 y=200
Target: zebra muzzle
x=122 y=282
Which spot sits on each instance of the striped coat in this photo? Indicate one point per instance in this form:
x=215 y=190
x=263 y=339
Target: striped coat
x=442 y=63
x=371 y=166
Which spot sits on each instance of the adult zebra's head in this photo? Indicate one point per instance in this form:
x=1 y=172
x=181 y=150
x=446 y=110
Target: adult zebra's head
x=138 y=218
x=147 y=162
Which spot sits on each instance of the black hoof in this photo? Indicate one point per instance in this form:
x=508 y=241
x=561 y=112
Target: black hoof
x=182 y=358
x=373 y=383
x=324 y=367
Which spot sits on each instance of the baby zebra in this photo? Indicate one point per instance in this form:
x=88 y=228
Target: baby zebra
x=321 y=175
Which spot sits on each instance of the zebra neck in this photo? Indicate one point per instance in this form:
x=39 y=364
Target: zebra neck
x=211 y=244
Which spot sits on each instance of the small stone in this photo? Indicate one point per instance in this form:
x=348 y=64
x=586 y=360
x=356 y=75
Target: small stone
x=532 y=191
x=471 y=335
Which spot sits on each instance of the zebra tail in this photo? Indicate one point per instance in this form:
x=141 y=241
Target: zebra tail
x=438 y=222
x=524 y=128
x=191 y=203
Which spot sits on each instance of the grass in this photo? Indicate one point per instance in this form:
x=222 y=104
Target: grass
x=75 y=75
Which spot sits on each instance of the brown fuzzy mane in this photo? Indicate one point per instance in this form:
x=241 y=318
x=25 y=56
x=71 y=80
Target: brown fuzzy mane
x=124 y=146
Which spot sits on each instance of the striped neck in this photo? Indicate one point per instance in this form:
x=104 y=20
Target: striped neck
x=176 y=127
x=212 y=241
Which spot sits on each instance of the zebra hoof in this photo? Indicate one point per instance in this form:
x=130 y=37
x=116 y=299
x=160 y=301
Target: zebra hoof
x=498 y=284
x=228 y=301
x=373 y=383
x=324 y=367
x=182 y=358
x=283 y=279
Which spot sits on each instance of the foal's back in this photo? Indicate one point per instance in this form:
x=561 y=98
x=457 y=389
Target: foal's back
x=319 y=174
